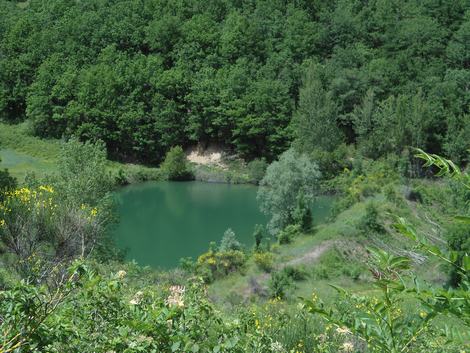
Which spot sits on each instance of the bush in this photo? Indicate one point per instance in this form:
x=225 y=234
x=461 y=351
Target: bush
x=279 y=284
x=187 y=264
x=7 y=182
x=132 y=174
x=458 y=240
x=257 y=169
x=264 y=260
x=332 y=163
x=390 y=193
x=229 y=241
x=258 y=235
x=175 y=166
x=369 y=221
x=302 y=215
x=111 y=314
x=413 y=195
x=213 y=264
x=295 y=273
x=288 y=234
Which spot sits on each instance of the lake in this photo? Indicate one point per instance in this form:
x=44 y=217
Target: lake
x=161 y=222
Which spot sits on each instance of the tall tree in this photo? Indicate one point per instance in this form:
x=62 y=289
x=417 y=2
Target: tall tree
x=315 y=121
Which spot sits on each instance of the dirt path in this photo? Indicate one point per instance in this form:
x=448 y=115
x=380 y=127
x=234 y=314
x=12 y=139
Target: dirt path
x=311 y=256
x=258 y=284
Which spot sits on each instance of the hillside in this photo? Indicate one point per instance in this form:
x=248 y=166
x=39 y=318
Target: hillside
x=300 y=172
x=144 y=76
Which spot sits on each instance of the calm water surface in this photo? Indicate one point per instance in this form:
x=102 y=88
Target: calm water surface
x=161 y=222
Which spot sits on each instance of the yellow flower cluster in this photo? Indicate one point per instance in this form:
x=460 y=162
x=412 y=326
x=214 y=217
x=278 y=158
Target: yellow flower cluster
x=47 y=188
x=33 y=200
x=93 y=211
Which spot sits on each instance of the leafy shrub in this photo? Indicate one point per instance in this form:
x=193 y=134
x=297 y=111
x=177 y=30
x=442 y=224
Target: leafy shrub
x=257 y=169
x=175 y=166
x=38 y=227
x=364 y=180
x=133 y=174
x=390 y=193
x=288 y=234
x=302 y=215
x=413 y=195
x=7 y=182
x=264 y=260
x=229 y=241
x=334 y=162
x=107 y=313
x=187 y=264
x=458 y=240
x=295 y=273
x=369 y=221
x=220 y=263
x=279 y=284
x=258 y=235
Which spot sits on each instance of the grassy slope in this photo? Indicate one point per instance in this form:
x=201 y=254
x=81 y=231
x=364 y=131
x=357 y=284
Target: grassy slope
x=344 y=255
x=236 y=286
x=22 y=153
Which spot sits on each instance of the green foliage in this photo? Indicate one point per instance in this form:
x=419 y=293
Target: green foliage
x=315 y=121
x=366 y=179
x=144 y=77
x=216 y=264
x=334 y=264
x=7 y=182
x=229 y=241
x=108 y=313
x=302 y=215
x=458 y=240
x=264 y=260
x=258 y=235
x=288 y=234
x=257 y=169
x=285 y=180
x=296 y=273
x=279 y=284
x=333 y=163
x=82 y=177
x=175 y=165
x=132 y=174
x=369 y=222
x=381 y=323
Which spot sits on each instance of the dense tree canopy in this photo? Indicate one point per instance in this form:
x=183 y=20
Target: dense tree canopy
x=145 y=75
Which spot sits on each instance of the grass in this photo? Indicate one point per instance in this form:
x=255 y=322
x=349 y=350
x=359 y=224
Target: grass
x=237 y=284
x=341 y=265
x=23 y=153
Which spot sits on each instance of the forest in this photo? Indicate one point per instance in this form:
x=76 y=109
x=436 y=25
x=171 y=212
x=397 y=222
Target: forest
x=146 y=75
x=348 y=121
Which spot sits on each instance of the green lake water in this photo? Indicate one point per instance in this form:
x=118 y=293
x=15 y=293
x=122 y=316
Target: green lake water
x=161 y=222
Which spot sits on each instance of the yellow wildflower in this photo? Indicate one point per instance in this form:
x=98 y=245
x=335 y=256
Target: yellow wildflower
x=46 y=188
